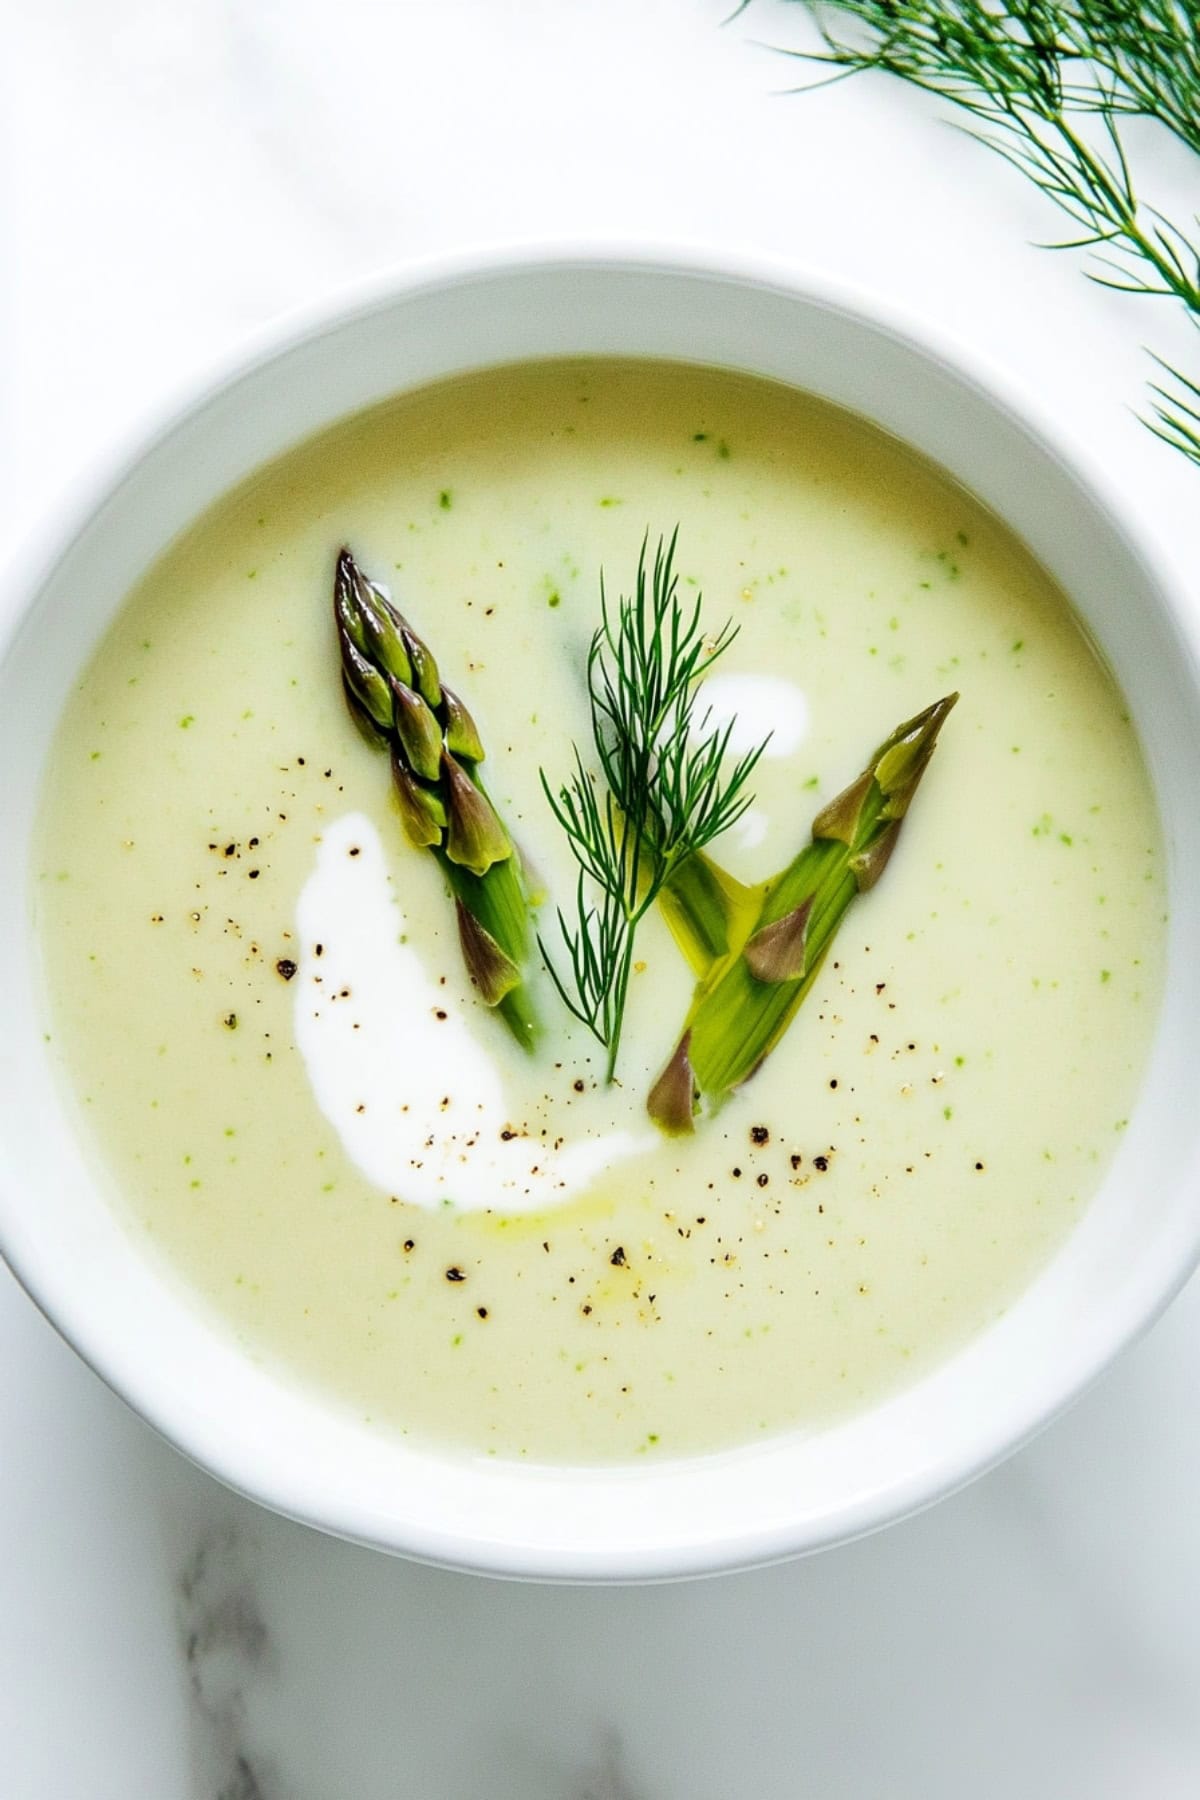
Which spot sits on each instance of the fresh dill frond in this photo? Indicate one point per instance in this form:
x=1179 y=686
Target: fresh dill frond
x=660 y=791
x=1046 y=84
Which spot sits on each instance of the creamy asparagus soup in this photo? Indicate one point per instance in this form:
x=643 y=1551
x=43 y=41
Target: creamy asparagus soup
x=291 y=886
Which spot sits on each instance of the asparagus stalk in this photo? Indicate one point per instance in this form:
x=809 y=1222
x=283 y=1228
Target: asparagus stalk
x=750 y=996
x=399 y=701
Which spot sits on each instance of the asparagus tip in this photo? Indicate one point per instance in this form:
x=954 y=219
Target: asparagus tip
x=900 y=762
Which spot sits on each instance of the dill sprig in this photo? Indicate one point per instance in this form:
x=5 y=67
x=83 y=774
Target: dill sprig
x=1046 y=85
x=660 y=793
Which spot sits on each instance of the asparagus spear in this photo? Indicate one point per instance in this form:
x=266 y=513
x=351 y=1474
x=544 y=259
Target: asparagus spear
x=398 y=699
x=750 y=996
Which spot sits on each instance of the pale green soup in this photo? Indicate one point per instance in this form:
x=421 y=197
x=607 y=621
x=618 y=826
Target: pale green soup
x=939 y=1114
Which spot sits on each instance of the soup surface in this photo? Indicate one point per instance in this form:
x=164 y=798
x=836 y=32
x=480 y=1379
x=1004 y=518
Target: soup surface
x=254 y=980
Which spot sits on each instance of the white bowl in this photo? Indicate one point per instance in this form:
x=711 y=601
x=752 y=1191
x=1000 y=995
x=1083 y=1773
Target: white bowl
x=282 y=1444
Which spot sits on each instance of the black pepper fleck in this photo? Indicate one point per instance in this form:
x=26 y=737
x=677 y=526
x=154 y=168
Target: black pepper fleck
x=821 y=1162
x=455 y=1274
x=617 y=1259
x=285 y=967
x=759 y=1134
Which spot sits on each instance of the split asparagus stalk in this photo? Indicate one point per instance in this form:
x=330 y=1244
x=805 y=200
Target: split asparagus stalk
x=708 y=911
x=400 y=702
x=751 y=994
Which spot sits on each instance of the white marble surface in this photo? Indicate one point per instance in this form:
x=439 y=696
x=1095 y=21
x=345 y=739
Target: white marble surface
x=174 y=175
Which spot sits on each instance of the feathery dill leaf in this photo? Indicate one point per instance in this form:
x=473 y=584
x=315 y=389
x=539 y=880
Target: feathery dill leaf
x=1045 y=84
x=661 y=792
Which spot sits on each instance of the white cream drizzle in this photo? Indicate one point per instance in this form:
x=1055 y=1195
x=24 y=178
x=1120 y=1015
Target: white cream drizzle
x=755 y=704
x=382 y=1064
x=751 y=829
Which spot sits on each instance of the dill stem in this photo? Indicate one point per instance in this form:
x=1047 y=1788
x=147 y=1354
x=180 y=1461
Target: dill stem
x=620 y=986
x=620 y=992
